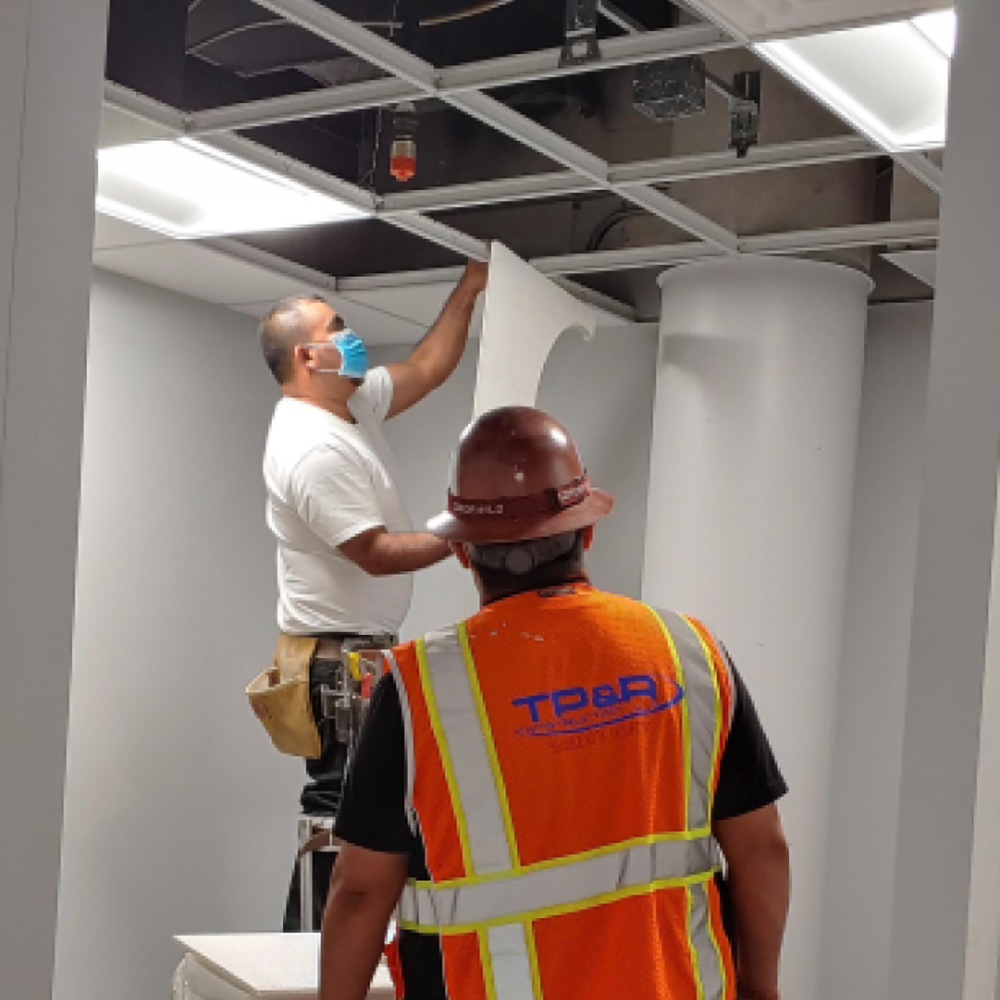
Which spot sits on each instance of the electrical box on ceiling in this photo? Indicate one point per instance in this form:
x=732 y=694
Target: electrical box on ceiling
x=762 y=19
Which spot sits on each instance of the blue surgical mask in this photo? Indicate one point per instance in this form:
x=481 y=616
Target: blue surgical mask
x=353 y=356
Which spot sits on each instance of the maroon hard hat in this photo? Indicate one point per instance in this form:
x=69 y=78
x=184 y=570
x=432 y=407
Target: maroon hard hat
x=517 y=475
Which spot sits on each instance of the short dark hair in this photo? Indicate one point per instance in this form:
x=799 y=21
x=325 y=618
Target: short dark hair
x=282 y=330
x=565 y=567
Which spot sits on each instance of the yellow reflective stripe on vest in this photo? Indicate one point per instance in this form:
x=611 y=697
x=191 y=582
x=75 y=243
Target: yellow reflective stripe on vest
x=460 y=738
x=704 y=734
x=437 y=725
x=704 y=716
x=706 y=959
x=714 y=694
x=465 y=739
x=486 y=731
x=685 y=712
x=524 y=894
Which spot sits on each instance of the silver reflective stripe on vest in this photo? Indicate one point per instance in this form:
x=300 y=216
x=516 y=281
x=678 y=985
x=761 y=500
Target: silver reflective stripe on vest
x=701 y=694
x=511 y=966
x=469 y=759
x=524 y=893
x=705 y=953
x=509 y=963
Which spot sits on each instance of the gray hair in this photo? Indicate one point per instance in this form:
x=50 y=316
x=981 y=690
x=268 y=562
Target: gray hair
x=282 y=330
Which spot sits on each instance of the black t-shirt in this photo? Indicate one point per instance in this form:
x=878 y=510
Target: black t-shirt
x=372 y=813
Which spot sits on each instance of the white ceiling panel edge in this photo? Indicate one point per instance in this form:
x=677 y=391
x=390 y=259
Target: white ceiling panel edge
x=753 y=21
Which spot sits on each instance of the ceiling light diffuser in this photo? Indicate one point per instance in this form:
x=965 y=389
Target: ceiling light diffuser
x=889 y=81
x=188 y=190
x=940 y=28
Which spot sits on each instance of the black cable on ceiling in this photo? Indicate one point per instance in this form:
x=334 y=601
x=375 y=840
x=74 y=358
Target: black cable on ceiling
x=608 y=223
x=475 y=10
x=462 y=15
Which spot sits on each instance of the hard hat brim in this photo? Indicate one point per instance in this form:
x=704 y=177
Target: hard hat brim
x=484 y=531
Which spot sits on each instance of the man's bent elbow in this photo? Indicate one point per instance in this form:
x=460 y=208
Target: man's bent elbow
x=365 y=552
x=753 y=836
x=775 y=849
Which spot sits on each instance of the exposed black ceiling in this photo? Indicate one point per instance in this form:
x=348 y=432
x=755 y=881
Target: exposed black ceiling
x=201 y=54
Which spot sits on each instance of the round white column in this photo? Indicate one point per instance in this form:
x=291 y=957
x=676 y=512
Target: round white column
x=751 y=485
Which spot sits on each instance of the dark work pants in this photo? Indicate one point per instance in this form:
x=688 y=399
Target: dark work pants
x=320 y=797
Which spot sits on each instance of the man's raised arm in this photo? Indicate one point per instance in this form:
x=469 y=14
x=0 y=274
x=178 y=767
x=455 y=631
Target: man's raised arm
x=385 y=553
x=438 y=354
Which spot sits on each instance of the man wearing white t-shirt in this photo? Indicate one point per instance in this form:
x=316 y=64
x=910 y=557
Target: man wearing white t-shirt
x=346 y=550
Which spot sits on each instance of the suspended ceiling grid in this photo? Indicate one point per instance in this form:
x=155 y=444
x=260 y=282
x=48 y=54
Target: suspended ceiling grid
x=463 y=87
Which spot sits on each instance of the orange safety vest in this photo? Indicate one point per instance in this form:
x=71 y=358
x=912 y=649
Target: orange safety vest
x=563 y=751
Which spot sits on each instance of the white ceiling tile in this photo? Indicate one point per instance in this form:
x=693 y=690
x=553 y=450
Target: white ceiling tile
x=110 y=233
x=922 y=264
x=399 y=315
x=198 y=271
x=422 y=304
x=418 y=305
x=760 y=19
x=118 y=128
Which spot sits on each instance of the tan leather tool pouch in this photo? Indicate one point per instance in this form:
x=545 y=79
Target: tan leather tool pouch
x=279 y=697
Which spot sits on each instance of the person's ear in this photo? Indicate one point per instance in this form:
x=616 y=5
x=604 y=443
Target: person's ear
x=305 y=356
x=588 y=537
x=461 y=555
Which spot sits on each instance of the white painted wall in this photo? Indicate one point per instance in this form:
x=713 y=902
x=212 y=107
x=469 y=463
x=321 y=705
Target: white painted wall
x=982 y=972
x=872 y=683
x=179 y=815
x=955 y=538
x=51 y=70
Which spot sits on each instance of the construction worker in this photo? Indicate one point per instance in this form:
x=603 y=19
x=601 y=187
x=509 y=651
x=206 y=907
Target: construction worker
x=346 y=549
x=543 y=789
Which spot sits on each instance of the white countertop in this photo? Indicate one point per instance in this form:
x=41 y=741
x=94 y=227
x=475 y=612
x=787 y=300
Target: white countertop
x=269 y=965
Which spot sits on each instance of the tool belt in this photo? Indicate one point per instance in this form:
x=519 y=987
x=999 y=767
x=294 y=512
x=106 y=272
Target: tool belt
x=279 y=695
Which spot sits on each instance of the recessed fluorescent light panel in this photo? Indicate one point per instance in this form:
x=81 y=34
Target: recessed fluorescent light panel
x=889 y=81
x=940 y=29
x=188 y=190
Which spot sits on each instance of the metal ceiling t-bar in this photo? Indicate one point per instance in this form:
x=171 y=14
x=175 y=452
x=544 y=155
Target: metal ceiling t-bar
x=565 y=183
x=526 y=67
x=311 y=278
x=923 y=169
x=300 y=107
x=673 y=254
x=384 y=54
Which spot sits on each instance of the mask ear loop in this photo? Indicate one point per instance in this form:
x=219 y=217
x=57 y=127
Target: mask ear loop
x=327 y=371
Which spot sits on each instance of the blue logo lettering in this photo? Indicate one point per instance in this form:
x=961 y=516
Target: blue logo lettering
x=578 y=710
